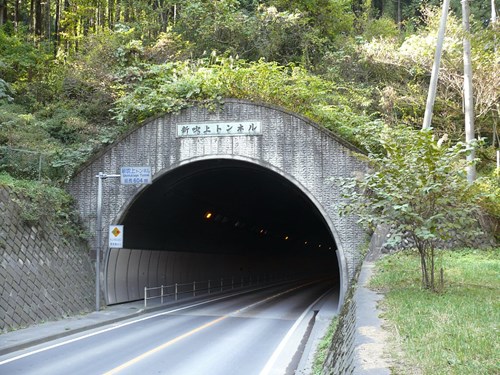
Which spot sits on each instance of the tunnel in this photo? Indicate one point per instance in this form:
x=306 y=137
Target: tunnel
x=219 y=218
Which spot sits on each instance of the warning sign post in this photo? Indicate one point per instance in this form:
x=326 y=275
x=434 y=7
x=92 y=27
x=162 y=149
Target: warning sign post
x=129 y=176
x=116 y=236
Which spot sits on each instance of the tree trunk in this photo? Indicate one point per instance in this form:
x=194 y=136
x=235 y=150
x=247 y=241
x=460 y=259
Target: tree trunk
x=118 y=12
x=3 y=12
x=56 y=25
x=38 y=17
x=32 y=16
x=432 y=284
x=48 y=22
x=16 y=14
x=423 y=264
x=468 y=96
x=111 y=12
x=431 y=96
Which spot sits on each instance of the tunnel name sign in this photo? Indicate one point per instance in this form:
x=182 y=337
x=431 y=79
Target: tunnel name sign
x=211 y=129
x=135 y=175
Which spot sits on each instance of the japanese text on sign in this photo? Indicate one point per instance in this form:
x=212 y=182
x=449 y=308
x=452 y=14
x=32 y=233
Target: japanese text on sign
x=219 y=129
x=116 y=236
x=135 y=175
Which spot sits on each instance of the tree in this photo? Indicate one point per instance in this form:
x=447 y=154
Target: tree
x=410 y=62
x=468 y=94
x=418 y=189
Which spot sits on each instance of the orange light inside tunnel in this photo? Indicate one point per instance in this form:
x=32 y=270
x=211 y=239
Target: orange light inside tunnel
x=208 y=215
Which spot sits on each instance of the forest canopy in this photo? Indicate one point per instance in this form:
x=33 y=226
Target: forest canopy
x=74 y=75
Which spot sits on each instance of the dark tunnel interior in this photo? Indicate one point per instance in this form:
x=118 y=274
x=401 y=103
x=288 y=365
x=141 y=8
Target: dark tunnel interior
x=224 y=209
x=226 y=206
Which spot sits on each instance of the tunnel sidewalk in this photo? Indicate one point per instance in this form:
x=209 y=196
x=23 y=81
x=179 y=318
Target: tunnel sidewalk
x=44 y=332
x=369 y=337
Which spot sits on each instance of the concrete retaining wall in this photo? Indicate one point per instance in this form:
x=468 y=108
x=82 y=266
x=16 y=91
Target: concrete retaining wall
x=290 y=145
x=44 y=274
x=341 y=357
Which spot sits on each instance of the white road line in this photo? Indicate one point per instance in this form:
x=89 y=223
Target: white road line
x=139 y=358
x=137 y=321
x=109 y=329
x=271 y=362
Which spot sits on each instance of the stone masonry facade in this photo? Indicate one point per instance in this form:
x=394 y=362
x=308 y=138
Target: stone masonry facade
x=290 y=145
x=44 y=275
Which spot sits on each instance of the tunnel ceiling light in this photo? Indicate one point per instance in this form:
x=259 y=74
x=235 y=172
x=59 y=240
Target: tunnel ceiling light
x=208 y=215
x=305 y=242
x=319 y=245
x=286 y=238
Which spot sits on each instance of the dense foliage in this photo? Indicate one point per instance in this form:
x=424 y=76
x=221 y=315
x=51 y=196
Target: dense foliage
x=417 y=189
x=75 y=75
x=42 y=202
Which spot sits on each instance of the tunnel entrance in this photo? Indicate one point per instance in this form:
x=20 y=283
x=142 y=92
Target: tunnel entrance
x=219 y=218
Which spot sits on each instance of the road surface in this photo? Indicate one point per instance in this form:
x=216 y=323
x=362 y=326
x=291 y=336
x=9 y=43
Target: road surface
x=257 y=332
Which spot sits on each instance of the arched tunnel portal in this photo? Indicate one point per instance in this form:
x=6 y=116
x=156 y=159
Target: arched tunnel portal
x=219 y=218
x=260 y=172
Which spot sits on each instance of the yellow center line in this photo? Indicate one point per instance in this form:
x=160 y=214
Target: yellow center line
x=163 y=346
x=198 y=329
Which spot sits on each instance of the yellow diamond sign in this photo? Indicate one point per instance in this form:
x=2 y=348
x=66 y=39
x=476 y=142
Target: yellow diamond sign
x=116 y=236
x=116 y=232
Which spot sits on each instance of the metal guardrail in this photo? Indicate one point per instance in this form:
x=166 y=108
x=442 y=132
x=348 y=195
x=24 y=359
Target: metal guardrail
x=174 y=291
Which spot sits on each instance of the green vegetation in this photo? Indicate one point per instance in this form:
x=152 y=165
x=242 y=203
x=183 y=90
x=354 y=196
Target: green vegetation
x=453 y=332
x=74 y=76
x=171 y=86
x=417 y=189
x=40 y=202
x=323 y=348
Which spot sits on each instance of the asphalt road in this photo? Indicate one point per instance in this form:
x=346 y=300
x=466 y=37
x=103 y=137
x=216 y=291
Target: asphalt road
x=249 y=333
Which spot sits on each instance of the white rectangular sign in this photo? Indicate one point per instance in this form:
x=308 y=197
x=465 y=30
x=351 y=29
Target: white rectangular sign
x=219 y=129
x=116 y=236
x=135 y=175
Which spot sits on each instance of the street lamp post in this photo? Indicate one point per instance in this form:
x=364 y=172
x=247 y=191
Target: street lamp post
x=101 y=176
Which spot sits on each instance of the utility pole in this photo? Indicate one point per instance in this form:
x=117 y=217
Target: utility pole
x=493 y=26
x=98 y=238
x=468 y=95
x=431 y=95
x=493 y=14
x=128 y=176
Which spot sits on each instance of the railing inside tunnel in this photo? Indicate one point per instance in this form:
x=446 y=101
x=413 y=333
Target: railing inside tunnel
x=175 y=291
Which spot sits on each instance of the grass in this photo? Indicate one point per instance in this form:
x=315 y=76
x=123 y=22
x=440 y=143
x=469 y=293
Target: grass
x=451 y=332
x=324 y=347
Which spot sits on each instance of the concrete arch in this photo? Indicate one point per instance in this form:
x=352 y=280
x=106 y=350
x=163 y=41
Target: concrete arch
x=340 y=252
x=289 y=146
x=342 y=262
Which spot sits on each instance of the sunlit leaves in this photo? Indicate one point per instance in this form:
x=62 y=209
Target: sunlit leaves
x=153 y=89
x=417 y=187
